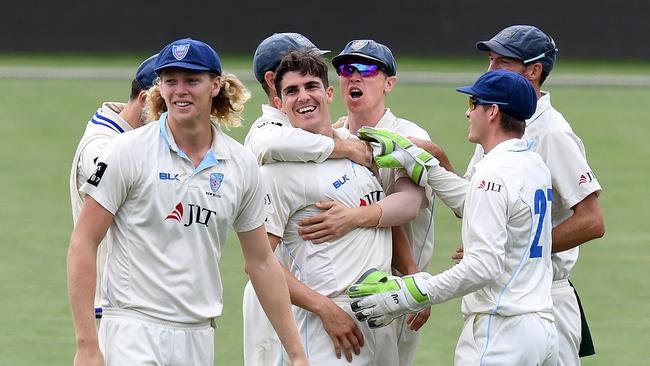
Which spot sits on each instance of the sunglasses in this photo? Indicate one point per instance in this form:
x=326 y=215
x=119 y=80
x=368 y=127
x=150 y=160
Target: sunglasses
x=363 y=69
x=473 y=101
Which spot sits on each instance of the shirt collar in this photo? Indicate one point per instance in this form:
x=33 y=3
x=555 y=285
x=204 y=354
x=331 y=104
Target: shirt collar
x=218 y=150
x=275 y=114
x=514 y=144
x=543 y=104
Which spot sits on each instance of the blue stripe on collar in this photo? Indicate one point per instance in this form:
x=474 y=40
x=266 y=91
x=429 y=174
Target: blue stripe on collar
x=109 y=121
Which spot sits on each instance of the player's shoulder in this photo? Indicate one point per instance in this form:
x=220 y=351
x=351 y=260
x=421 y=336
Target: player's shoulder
x=406 y=127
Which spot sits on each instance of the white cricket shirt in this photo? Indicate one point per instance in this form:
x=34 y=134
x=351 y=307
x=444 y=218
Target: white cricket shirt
x=172 y=219
x=272 y=138
x=104 y=125
x=564 y=154
x=331 y=267
x=506 y=232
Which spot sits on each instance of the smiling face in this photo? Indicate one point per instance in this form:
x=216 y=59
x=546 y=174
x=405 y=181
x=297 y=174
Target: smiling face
x=188 y=94
x=364 y=94
x=304 y=99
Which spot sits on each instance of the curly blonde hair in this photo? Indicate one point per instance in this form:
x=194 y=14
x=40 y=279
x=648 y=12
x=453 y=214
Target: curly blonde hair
x=227 y=106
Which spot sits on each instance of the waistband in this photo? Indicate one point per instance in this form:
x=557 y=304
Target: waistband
x=560 y=284
x=137 y=315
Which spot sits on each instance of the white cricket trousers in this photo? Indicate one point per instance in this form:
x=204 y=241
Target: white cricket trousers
x=493 y=340
x=128 y=337
x=567 y=322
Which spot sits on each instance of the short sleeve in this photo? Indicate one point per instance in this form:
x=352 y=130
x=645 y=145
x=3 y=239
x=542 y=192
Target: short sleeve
x=252 y=208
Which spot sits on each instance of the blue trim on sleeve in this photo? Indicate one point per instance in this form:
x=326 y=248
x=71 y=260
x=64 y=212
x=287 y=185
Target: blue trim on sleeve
x=114 y=125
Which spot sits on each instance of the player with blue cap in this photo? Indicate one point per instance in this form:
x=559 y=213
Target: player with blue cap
x=166 y=194
x=505 y=276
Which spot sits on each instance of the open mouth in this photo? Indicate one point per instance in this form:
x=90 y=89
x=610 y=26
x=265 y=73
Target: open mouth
x=182 y=104
x=306 y=109
x=355 y=93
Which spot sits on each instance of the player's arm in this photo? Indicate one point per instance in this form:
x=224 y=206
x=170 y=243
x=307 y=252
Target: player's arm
x=587 y=223
x=342 y=329
x=435 y=150
x=270 y=286
x=395 y=209
x=94 y=220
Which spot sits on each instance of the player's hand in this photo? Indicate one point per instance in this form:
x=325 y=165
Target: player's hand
x=360 y=152
x=344 y=331
x=387 y=297
x=416 y=321
x=337 y=221
x=458 y=255
x=435 y=150
x=340 y=122
x=89 y=356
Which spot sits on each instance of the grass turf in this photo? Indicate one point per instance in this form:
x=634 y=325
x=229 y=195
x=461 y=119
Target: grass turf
x=43 y=120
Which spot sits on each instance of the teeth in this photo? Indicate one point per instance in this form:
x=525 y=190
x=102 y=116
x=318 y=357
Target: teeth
x=182 y=104
x=306 y=109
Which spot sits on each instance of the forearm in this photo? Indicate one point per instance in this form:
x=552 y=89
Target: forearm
x=356 y=150
x=402 y=256
x=81 y=269
x=403 y=205
x=270 y=285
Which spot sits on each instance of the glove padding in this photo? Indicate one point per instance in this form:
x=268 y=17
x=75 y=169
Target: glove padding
x=396 y=151
x=387 y=297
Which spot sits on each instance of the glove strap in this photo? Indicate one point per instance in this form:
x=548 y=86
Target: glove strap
x=414 y=290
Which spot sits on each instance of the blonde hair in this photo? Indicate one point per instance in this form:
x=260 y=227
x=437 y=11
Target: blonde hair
x=227 y=106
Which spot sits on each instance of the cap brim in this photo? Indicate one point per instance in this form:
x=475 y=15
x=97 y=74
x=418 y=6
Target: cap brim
x=497 y=47
x=338 y=60
x=181 y=65
x=466 y=90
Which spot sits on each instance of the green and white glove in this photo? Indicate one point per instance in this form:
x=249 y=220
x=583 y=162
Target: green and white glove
x=396 y=151
x=386 y=297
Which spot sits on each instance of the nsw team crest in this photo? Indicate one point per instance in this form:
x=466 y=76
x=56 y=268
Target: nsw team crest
x=215 y=181
x=180 y=51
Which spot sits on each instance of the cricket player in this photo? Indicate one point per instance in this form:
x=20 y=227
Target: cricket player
x=110 y=120
x=506 y=273
x=168 y=193
x=576 y=215
x=273 y=139
x=367 y=73
x=323 y=272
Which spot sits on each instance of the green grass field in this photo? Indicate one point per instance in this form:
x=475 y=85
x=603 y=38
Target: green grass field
x=42 y=121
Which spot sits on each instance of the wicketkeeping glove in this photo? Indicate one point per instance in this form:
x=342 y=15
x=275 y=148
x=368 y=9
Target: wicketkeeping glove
x=387 y=297
x=396 y=151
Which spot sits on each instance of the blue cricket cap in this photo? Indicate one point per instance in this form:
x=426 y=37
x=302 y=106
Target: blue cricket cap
x=144 y=75
x=188 y=53
x=523 y=42
x=271 y=51
x=369 y=50
x=513 y=93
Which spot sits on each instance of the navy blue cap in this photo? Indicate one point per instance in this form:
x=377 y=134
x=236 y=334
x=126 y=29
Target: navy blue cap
x=369 y=50
x=144 y=75
x=189 y=54
x=513 y=93
x=524 y=42
x=271 y=51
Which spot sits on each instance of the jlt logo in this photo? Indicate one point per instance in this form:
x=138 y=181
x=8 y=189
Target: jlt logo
x=489 y=186
x=370 y=198
x=338 y=183
x=586 y=178
x=197 y=215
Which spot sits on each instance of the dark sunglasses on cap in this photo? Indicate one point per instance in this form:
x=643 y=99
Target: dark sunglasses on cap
x=473 y=101
x=363 y=69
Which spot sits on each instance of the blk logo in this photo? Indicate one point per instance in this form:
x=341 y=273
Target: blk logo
x=197 y=215
x=370 y=198
x=586 y=178
x=168 y=176
x=489 y=186
x=339 y=182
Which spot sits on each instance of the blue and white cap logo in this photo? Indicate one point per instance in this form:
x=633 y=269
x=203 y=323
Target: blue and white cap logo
x=215 y=181
x=180 y=51
x=357 y=45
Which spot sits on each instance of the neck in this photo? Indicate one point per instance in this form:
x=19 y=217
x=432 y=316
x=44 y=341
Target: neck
x=195 y=139
x=370 y=118
x=132 y=114
x=496 y=139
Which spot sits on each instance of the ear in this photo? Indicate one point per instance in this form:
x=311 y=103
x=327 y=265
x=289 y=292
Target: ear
x=216 y=86
x=494 y=113
x=390 y=83
x=142 y=97
x=330 y=94
x=269 y=79
x=534 y=72
x=278 y=103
